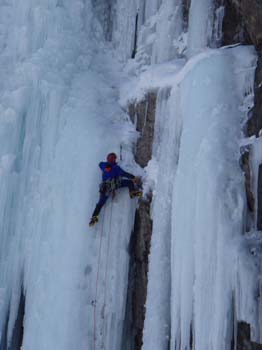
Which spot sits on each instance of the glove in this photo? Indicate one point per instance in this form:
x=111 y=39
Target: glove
x=136 y=180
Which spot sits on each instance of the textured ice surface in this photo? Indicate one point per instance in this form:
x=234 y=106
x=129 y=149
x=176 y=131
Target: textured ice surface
x=199 y=206
x=59 y=118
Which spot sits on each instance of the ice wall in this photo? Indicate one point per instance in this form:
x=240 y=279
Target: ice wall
x=199 y=206
x=59 y=118
x=167 y=135
x=124 y=28
x=207 y=207
x=164 y=30
x=200 y=25
x=208 y=276
x=157 y=24
x=161 y=37
x=59 y=108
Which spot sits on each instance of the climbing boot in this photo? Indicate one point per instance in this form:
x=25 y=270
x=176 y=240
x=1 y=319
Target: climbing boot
x=135 y=194
x=93 y=221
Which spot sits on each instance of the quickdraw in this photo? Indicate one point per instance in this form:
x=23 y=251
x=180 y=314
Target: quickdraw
x=109 y=186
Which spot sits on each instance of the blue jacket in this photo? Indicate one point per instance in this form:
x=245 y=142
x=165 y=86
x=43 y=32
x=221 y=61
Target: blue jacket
x=113 y=171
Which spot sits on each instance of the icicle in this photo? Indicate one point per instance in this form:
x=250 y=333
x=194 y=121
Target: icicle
x=169 y=28
x=167 y=133
x=200 y=25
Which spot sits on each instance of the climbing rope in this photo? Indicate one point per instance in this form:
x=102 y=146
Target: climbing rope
x=105 y=278
x=121 y=149
x=97 y=279
x=106 y=271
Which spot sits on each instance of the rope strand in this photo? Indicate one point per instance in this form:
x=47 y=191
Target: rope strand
x=105 y=278
x=106 y=271
x=97 y=278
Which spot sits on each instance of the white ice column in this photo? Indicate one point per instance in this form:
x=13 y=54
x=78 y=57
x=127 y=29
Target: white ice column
x=200 y=25
x=125 y=28
x=169 y=27
x=151 y=7
x=208 y=204
x=167 y=135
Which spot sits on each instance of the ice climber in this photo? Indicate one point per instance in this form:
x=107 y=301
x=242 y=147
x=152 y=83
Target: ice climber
x=113 y=178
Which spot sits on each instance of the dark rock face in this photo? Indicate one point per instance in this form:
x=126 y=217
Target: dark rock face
x=234 y=29
x=243 y=338
x=185 y=8
x=18 y=331
x=143 y=231
x=251 y=12
x=3 y=344
x=243 y=23
x=246 y=168
x=256 y=346
x=255 y=122
x=142 y=115
x=248 y=186
x=259 y=199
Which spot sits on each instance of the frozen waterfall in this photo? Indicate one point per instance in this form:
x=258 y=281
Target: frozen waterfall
x=69 y=72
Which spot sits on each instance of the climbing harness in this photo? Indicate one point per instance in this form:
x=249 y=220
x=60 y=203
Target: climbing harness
x=109 y=186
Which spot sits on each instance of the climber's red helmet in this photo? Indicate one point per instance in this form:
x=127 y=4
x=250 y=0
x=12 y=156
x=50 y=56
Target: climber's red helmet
x=111 y=157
